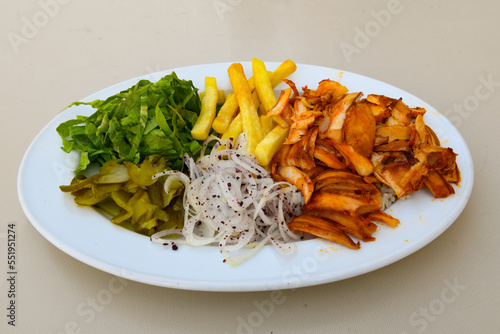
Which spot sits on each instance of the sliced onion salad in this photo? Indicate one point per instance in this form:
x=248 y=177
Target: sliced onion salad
x=231 y=201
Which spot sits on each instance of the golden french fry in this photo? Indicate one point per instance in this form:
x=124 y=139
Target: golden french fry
x=234 y=129
x=255 y=96
x=264 y=87
x=226 y=113
x=221 y=96
x=251 y=81
x=270 y=145
x=256 y=100
x=282 y=72
x=220 y=99
x=249 y=116
x=263 y=84
x=266 y=124
x=203 y=124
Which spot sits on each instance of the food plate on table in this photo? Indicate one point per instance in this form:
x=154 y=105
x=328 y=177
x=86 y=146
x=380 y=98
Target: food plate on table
x=88 y=236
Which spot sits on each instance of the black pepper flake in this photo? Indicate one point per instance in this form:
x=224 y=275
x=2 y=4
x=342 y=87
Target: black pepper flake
x=174 y=247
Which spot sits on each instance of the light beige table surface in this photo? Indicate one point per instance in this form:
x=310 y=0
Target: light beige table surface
x=55 y=52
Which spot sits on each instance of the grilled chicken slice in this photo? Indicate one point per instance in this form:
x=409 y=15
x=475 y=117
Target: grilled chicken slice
x=301 y=154
x=343 y=175
x=380 y=100
x=394 y=146
x=417 y=111
x=383 y=217
x=335 y=115
x=330 y=90
x=352 y=223
x=301 y=123
x=280 y=105
x=400 y=114
x=453 y=175
x=392 y=175
x=344 y=182
x=438 y=185
x=362 y=164
x=296 y=177
x=380 y=112
x=328 y=159
x=438 y=158
x=395 y=138
x=359 y=129
x=344 y=202
x=323 y=228
x=396 y=132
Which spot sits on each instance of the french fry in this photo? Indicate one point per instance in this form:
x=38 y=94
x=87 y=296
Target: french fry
x=256 y=100
x=264 y=87
x=221 y=98
x=263 y=84
x=203 y=124
x=255 y=96
x=234 y=129
x=267 y=124
x=282 y=72
x=251 y=81
x=270 y=145
x=249 y=115
x=276 y=77
x=226 y=113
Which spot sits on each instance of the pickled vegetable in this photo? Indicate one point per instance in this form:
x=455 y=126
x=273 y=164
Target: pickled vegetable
x=130 y=195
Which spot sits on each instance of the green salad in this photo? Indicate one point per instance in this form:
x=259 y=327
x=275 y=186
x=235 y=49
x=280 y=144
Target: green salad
x=146 y=119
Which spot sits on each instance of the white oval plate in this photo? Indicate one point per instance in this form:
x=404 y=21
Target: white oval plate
x=86 y=235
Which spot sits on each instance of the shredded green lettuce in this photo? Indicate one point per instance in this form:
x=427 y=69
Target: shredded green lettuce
x=146 y=119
